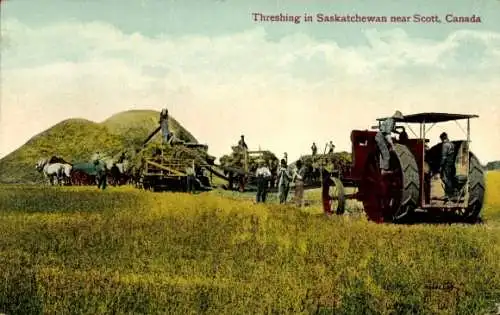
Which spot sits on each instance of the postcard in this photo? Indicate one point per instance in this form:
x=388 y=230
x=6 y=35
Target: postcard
x=250 y=157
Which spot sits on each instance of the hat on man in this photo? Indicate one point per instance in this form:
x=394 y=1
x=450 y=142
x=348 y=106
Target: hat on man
x=398 y=115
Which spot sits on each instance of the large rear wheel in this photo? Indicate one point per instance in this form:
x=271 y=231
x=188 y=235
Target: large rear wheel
x=392 y=197
x=476 y=190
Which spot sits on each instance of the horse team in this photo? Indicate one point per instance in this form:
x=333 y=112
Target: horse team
x=55 y=172
x=59 y=172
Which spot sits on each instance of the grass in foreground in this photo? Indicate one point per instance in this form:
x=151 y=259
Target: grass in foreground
x=125 y=251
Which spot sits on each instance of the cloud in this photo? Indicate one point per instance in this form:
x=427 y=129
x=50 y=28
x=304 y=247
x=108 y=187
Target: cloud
x=282 y=94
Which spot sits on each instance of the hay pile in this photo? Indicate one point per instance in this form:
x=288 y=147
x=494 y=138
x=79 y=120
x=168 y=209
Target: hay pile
x=235 y=161
x=340 y=161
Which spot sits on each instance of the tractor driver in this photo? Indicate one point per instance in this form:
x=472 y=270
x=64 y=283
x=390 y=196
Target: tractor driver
x=403 y=136
x=384 y=140
x=447 y=165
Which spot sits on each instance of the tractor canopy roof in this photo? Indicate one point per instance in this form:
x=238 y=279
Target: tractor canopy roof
x=432 y=117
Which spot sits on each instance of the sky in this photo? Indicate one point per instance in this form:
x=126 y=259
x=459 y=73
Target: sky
x=222 y=74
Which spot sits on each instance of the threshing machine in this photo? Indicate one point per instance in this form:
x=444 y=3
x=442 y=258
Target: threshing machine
x=166 y=166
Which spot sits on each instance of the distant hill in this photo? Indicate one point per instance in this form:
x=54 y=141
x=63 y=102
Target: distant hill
x=76 y=140
x=493 y=165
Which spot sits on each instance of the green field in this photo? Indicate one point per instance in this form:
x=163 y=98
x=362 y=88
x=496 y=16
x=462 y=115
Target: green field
x=125 y=251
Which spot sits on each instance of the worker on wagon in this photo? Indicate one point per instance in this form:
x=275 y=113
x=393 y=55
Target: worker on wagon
x=384 y=140
x=164 y=125
x=314 y=149
x=242 y=144
x=173 y=140
x=263 y=174
x=298 y=177
x=122 y=157
x=284 y=179
x=163 y=114
x=285 y=157
x=331 y=147
x=447 y=165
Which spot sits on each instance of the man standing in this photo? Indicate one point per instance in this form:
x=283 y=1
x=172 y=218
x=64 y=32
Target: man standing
x=242 y=155
x=263 y=174
x=447 y=165
x=314 y=149
x=242 y=143
x=242 y=180
x=230 y=179
x=284 y=179
x=101 y=174
x=173 y=139
x=384 y=140
x=298 y=178
x=331 y=147
x=274 y=171
x=190 y=179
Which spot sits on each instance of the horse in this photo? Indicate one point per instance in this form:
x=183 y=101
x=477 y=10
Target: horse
x=115 y=175
x=117 y=168
x=125 y=171
x=135 y=176
x=63 y=177
x=67 y=173
x=53 y=172
x=119 y=172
